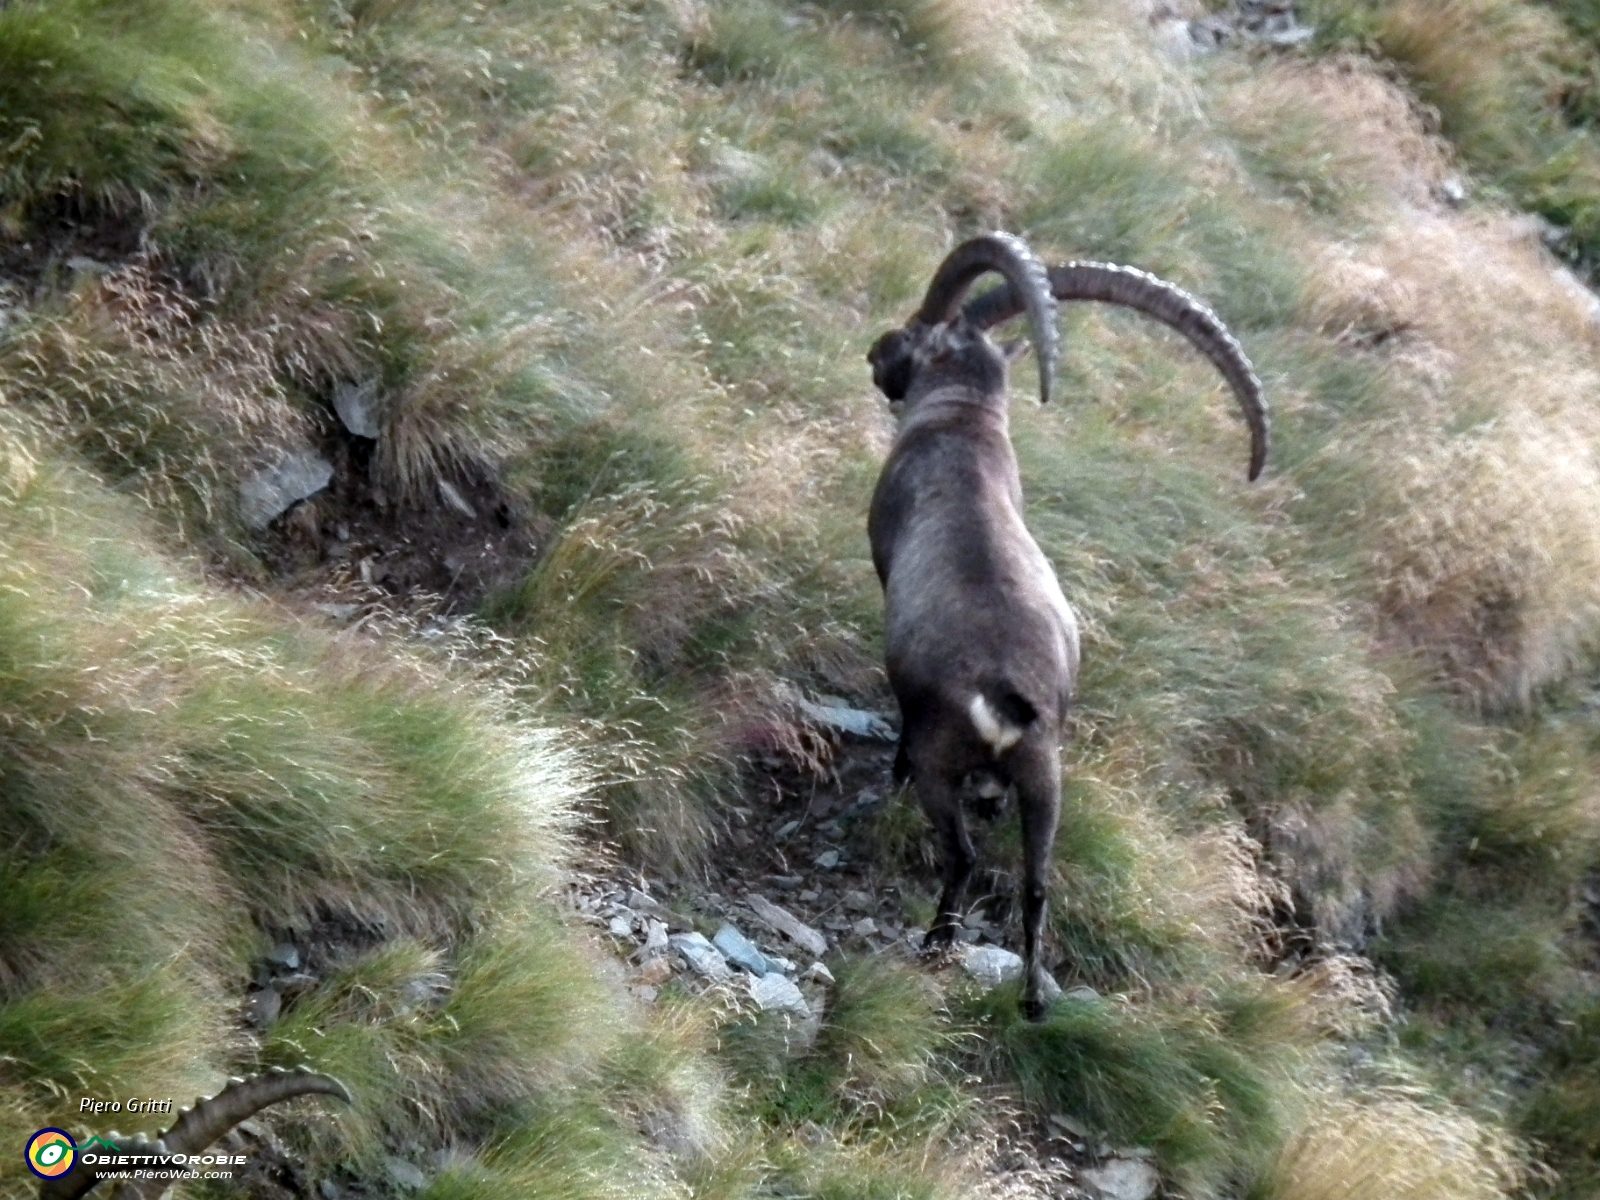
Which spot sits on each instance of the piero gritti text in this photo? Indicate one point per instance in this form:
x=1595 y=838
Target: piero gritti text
x=90 y=1105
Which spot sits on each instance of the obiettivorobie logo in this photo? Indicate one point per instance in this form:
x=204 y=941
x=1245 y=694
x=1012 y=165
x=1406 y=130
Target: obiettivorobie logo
x=51 y=1153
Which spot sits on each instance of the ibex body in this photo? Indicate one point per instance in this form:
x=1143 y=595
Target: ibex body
x=980 y=644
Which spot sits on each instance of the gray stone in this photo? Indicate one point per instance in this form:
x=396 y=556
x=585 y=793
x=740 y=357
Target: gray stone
x=740 y=950
x=329 y=1190
x=818 y=973
x=263 y=1007
x=655 y=939
x=859 y=901
x=869 y=726
x=284 y=955
x=992 y=965
x=1122 y=1179
x=774 y=993
x=827 y=860
x=786 y=831
x=457 y=501
x=405 y=1174
x=268 y=492
x=357 y=406
x=788 y=924
x=1070 y=1124
x=640 y=902
x=703 y=958
x=1083 y=994
x=865 y=927
x=620 y=928
x=1051 y=990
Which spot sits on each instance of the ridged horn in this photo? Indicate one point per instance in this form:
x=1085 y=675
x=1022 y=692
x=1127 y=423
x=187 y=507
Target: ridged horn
x=198 y=1127
x=1167 y=303
x=1025 y=276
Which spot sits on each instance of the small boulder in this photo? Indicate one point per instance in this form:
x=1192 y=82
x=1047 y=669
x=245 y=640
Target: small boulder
x=775 y=993
x=269 y=492
x=1122 y=1179
x=992 y=965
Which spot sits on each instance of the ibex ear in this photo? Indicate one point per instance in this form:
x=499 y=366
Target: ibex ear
x=1015 y=350
x=891 y=359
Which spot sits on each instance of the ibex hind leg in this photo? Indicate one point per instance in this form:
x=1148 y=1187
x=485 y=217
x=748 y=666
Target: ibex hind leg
x=1036 y=771
x=938 y=790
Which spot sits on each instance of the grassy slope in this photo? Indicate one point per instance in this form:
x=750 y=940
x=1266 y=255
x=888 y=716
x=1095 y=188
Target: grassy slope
x=626 y=256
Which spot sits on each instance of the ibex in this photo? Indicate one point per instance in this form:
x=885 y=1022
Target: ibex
x=981 y=646
x=194 y=1130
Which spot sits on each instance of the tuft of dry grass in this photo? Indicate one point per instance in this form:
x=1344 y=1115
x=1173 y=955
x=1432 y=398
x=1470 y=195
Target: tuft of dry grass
x=1392 y=1144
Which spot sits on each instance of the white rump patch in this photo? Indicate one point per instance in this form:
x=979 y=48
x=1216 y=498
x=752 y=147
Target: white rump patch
x=1001 y=735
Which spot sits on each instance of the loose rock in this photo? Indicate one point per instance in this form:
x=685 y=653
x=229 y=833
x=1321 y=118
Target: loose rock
x=704 y=958
x=788 y=924
x=819 y=973
x=263 y=1007
x=853 y=721
x=457 y=501
x=654 y=972
x=774 y=993
x=1122 y=1179
x=992 y=965
x=740 y=950
x=859 y=901
x=357 y=406
x=269 y=492
x=407 y=1175
x=655 y=941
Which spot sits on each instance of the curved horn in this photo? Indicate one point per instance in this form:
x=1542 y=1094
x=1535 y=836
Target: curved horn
x=197 y=1127
x=1025 y=276
x=1166 y=302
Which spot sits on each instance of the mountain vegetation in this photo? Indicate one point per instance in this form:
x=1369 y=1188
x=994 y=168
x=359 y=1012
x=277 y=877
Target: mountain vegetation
x=600 y=278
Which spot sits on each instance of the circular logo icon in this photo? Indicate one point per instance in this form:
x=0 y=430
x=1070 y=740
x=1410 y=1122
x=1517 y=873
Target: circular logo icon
x=51 y=1152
